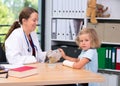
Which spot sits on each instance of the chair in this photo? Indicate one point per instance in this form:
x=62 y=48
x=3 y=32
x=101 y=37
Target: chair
x=2 y=55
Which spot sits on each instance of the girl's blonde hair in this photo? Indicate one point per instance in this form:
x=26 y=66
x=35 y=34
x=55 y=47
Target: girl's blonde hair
x=95 y=43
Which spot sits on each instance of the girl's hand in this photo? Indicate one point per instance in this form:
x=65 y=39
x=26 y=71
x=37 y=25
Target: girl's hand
x=62 y=53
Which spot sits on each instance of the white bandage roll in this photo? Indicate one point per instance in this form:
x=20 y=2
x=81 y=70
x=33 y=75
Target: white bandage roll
x=68 y=63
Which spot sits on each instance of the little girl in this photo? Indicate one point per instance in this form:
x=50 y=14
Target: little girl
x=88 y=41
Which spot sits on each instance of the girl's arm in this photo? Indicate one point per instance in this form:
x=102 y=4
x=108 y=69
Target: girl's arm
x=81 y=63
x=74 y=62
x=68 y=57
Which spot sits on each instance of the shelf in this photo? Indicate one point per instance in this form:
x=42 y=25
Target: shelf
x=63 y=40
x=100 y=18
x=110 y=43
x=65 y=17
x=109 y=71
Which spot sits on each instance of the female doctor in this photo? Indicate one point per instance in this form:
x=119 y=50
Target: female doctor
x=21 y=42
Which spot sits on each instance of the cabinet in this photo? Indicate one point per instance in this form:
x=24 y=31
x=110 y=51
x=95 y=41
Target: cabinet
x=99 y=29
x=112 y=32
x=112 y=77
x=108 y=32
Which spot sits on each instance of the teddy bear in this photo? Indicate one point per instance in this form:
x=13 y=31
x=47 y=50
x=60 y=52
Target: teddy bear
x=100 y=11
x=91 y=11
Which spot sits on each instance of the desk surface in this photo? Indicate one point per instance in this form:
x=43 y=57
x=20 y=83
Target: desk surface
x=50 y=74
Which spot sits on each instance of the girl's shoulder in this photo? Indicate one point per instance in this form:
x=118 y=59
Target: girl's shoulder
x=90 y=50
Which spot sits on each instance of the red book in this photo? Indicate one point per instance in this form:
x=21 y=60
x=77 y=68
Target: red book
x=23 y=71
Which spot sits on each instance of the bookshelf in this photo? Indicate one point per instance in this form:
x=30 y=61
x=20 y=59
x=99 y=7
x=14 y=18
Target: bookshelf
x=107 y=28
x=65 y=18
x=60 y=13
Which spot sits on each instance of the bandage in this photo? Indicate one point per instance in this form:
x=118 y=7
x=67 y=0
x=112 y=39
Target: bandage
x=68 y=63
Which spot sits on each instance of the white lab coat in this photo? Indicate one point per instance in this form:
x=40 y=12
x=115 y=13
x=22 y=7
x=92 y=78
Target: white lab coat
x=16 y=48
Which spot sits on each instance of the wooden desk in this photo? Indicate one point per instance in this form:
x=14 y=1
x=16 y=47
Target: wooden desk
x=50 y=74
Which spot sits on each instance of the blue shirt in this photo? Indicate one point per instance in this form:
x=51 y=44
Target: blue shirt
x=92 y=55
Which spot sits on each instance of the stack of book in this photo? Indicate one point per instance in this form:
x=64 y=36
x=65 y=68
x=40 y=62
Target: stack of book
x=23 y=71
